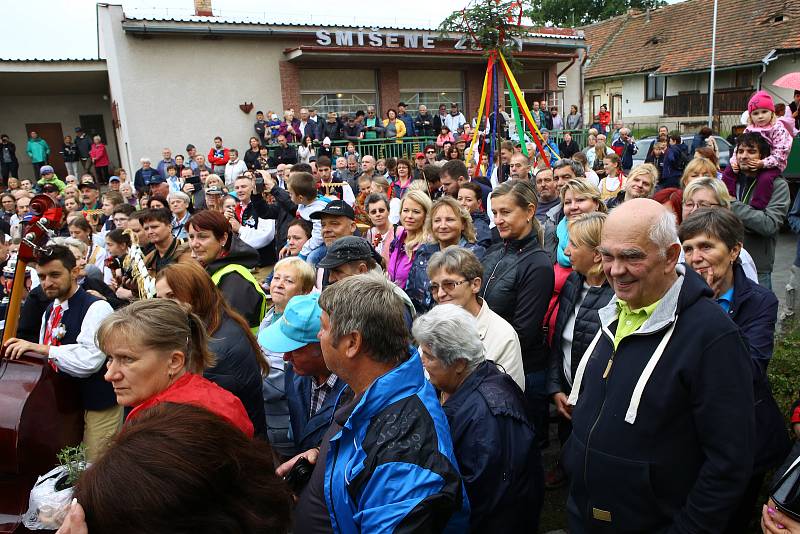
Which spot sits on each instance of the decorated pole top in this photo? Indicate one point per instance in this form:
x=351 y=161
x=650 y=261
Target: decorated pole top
x=492 y=25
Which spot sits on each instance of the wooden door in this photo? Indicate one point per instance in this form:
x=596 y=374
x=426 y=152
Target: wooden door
x=54 y=135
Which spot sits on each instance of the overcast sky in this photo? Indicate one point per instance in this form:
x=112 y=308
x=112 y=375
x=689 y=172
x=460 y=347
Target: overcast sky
x=60 y=29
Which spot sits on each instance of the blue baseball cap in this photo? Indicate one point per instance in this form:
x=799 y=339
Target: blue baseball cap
x=297 y=327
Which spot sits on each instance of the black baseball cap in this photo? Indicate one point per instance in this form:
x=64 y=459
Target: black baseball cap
x=338 y=208
x=88 y=182
x=347 y=249
x=157 y=179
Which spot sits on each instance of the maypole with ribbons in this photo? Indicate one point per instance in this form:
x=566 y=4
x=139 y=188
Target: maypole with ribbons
x=493 y=25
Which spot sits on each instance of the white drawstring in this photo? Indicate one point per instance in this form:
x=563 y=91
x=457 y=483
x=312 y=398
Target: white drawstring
x=576 y=383
x=633 y=407
x=638 y=390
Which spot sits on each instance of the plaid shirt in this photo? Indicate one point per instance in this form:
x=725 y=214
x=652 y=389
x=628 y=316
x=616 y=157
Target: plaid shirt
x=320 y=392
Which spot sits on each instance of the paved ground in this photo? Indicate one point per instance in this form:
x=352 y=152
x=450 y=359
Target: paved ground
x=553 y=519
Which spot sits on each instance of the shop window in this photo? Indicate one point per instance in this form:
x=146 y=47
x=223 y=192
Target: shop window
x=338 y=90
x=430 y=88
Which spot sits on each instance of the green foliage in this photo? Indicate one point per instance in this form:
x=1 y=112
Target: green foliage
x=73 y=459
x=493 y=24
x=784 y=369
x=567 y=13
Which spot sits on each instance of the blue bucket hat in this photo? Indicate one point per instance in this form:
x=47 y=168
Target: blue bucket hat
x=297 y=327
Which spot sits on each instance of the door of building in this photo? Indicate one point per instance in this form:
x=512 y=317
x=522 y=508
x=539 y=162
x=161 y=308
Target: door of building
x=616 y=107
x=54 y=135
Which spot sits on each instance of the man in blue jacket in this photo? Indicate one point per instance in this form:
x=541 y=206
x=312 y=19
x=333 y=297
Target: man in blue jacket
x=663 y=425
x=311 y=389
x=386 y=464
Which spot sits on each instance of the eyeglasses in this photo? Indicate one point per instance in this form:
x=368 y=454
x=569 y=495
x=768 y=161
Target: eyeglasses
x=692 y=205
x=448 y=286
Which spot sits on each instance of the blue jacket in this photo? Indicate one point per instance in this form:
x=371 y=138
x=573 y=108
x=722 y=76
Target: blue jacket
x=307 y=431
x=755 y=311
x=674 y=162
x=496 y=451
x=685 y=460
x=480 y=220
x=418 y=285
x=391 y=468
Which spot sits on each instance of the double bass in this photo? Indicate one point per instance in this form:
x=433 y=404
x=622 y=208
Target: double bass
x=40 y=410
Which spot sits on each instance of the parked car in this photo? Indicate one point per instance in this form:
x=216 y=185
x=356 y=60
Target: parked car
x=644 y=144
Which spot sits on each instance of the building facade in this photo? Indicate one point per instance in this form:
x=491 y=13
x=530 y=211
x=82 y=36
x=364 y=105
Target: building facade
x=653 y=67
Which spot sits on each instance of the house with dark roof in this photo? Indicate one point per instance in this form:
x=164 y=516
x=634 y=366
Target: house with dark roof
x=653 y=67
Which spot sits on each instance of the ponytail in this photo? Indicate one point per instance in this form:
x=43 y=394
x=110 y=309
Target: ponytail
x=198 y=357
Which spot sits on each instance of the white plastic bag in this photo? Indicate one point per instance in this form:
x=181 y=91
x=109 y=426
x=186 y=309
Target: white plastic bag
x=48 y=505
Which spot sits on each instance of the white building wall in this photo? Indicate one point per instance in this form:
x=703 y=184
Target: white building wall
x=17 y=111
x=634 y=105
x=166 y=89
x=573 y=92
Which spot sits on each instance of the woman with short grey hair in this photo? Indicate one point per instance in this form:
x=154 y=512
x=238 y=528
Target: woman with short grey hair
x=495 y=444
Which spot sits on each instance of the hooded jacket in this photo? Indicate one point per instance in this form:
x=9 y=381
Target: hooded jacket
x=517 y=284
x=239 y=292
x=391 y=466
x=662 y=444
x=761 y=227
x=497 y=452
x=38 y=150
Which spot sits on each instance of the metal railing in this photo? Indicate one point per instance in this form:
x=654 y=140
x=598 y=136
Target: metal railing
x=408 y=147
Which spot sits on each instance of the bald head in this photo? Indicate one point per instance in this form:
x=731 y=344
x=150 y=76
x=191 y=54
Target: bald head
x=640 y=249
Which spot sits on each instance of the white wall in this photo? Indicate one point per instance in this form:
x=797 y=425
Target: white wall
x=779 y=67
x=17 y=111
x=687 y=82
x=573 y=91
x=172 y=91
x=634 y=105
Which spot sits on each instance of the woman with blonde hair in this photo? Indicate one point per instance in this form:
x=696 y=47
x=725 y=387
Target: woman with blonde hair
x=584 y=292
x=290 y=277
x=697 y=168
x=448 y=224
x=577 y=197
x=414 y=208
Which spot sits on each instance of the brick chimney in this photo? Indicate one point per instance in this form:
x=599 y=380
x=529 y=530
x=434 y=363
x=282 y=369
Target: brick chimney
x=202 y=8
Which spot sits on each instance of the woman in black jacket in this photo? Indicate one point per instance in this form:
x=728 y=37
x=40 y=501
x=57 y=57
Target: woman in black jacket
x=239 y=362
x=585 y=291
x=518 y=286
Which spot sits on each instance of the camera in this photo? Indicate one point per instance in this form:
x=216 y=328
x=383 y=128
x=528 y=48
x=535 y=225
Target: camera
x=299 y=476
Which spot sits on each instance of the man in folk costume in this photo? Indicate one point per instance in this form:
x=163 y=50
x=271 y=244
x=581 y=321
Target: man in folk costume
x=67 y=339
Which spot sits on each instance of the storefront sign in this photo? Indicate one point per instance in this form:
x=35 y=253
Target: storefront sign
x=378 y=39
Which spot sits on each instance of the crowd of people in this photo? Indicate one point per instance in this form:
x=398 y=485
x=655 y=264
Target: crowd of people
x=402 y=334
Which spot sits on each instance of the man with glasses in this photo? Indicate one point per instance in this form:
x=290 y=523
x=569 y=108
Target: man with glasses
x=456 y=275
x=373 y=126
x=121 y=215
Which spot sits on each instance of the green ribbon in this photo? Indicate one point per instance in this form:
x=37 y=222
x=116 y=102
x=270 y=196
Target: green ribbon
x=517 y=119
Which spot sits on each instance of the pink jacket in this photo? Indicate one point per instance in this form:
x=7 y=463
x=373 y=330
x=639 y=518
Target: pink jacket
x=780 y=143
x=399 y=263
x=99 y=155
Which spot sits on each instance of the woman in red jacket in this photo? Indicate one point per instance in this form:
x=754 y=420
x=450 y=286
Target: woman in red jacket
x=605 y=118
x=99 y=156
x=157 y=352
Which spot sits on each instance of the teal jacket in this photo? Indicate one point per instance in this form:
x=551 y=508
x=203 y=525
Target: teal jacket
x=38 y=150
